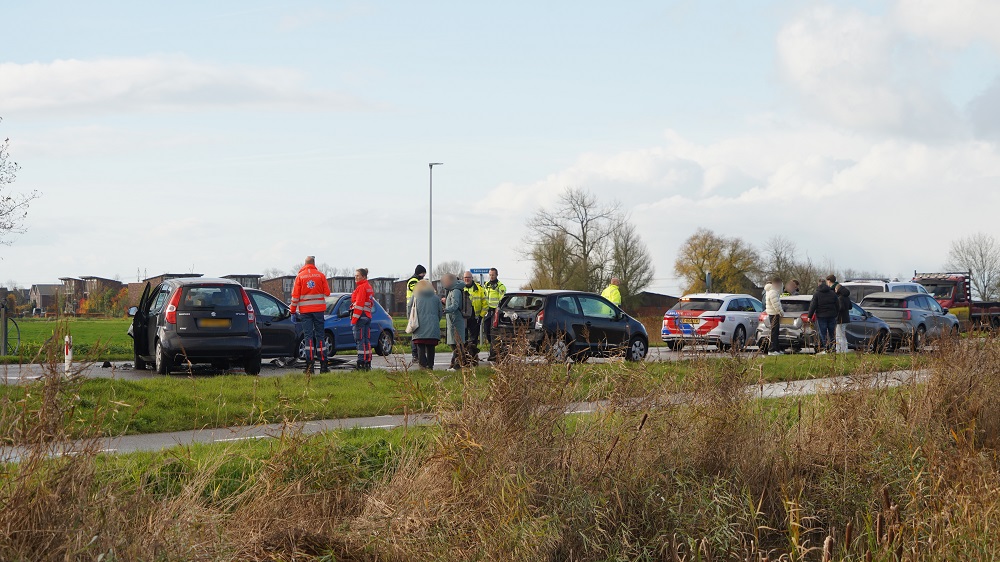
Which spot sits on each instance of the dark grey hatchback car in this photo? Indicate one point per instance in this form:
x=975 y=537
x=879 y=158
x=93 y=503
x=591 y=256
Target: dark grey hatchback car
x=567 y=325
x=195 y=320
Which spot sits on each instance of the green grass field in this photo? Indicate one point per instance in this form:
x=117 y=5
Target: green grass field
x=95 y=339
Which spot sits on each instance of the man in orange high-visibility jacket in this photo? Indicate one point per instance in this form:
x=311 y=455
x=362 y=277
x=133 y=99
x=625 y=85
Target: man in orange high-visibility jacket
x=362 y=304
x=309 y=305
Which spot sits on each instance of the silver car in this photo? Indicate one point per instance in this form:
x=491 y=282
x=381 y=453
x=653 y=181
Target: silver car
x=913 y=318
x=864 y=331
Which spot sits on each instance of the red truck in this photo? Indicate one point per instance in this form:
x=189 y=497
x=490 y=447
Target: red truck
x=954 y=292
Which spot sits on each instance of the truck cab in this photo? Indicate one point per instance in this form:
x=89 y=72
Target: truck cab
x=954 y=292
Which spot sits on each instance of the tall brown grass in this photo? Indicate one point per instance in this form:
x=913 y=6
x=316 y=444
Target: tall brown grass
x=699 y=469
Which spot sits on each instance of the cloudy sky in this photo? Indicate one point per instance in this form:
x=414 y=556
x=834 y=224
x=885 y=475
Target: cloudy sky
x=231 y=137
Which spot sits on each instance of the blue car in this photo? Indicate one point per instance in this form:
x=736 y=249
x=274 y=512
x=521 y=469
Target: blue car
x=340 y=336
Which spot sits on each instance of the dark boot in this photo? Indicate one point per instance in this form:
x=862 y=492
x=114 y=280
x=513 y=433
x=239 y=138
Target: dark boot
x=308 y=368
x=324 y=366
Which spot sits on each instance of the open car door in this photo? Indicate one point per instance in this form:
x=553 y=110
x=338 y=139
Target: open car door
x=140 y=326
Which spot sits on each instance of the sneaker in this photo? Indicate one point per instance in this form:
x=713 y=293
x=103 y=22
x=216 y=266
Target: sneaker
x=451 y=369
x=821 y=353
x=777 y=353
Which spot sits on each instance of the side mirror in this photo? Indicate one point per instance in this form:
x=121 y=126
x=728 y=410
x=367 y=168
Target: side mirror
x=133 y=310
x=944 y=310
x=344 y=313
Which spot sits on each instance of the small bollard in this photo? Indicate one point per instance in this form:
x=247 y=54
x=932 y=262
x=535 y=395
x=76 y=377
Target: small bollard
x=69 y=354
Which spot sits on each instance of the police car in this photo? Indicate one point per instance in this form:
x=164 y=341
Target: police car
x=725 y=320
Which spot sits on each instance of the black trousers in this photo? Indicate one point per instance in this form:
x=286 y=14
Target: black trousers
x=488 y=332
x=425 y=355
x=775 y=330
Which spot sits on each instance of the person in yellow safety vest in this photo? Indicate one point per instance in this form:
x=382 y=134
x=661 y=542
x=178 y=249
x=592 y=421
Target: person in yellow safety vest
x=477 y=294
x=418 y=273
x=612 y=292
x=495 y=290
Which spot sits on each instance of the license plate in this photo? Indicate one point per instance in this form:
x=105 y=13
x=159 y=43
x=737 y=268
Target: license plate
x=787 y=321
x=214 y=323
x=690 y=320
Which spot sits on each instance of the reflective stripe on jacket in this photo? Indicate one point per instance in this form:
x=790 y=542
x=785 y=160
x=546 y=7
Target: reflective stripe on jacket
x=362 y=301
x=310 y=290
x=410 y=284
x=495 y=290
x=477 y=294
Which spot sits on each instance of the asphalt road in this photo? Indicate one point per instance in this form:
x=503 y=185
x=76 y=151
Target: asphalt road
x=159 y=441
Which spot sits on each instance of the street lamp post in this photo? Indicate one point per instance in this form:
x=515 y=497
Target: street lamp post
x=430 y=222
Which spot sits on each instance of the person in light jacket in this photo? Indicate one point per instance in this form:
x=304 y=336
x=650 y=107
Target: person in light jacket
x=772 y=306
x=429 y=314
x=456 y=322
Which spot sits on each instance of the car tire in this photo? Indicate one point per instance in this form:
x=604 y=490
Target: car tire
x=251 y=365
x=329 y=348
x=637 y=349
x=139 y=364
x=739 y=341
x=163 y=363
x=561 y=351
x=384 y=345
x=675 y=345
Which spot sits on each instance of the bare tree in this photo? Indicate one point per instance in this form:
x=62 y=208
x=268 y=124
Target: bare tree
x=630 y=262
x=553 y=265
x=979 y=254
x=13 y=205
x=779 y=257
x=454 y=267
x=586 y=227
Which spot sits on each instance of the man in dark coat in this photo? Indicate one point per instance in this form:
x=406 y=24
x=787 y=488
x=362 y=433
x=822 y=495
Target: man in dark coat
x=825 y=308
x=844 y=303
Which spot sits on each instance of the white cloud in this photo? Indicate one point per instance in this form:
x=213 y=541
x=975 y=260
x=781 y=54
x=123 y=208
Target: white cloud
x=158 y=84
x=952 y=23
x=849 y=68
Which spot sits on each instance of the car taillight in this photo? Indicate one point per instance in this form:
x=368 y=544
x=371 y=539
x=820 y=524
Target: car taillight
x=539 y=320
x=805 y=317
x=171 y=314
x=762 y=317
x=720 y=318
x=907 y=315
x=251 y=317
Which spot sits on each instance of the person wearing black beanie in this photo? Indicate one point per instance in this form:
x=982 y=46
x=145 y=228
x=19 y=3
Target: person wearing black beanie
x=418 y=273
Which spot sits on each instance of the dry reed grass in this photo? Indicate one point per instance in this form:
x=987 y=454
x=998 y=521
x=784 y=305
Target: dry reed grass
x=698 y=469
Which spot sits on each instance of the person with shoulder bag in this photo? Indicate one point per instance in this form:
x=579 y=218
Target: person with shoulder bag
x=425 y=313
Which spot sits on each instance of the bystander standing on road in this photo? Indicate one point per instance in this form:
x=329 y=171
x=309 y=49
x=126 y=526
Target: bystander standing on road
x=309 y=294
x=477 y=294
x=844 y=317
x=429 y=313
x=362 y=304
x=772 y=306
x=455 y=321
x=418 y=273
x=825 y=308
x=613 y=293
x=495 y=291
x=791 y=289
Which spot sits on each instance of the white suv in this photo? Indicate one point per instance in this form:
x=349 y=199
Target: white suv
x=861 y=288
x=722 y=319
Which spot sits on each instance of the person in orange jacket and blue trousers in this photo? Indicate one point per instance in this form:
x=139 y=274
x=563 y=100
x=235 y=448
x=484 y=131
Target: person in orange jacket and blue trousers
x=308 y=306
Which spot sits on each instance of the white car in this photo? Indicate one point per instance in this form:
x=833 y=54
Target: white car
x=722 y=319
x=861 y=288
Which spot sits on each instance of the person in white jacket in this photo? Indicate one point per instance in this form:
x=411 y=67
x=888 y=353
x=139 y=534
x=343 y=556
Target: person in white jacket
x=772 y=306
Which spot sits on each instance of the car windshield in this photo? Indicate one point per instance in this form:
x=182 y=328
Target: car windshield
x=217 y=297
x=883 y=302
x=939 y=290
x=525 y=302
x=707 y=305
x=795 y=306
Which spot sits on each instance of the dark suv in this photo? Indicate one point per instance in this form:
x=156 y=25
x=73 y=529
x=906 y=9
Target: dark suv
x=568 y=324
x=195 y=320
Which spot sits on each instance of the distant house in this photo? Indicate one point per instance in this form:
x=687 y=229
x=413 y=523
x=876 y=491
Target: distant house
x=95 y=285
x=279 y=287
x=652 y=304
x=135 y=289
x=45 y=296
x=248 y=280
x=72 y=293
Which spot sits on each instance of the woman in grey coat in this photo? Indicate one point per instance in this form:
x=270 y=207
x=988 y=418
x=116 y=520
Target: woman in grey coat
x=456 y=322
x=429 y=313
